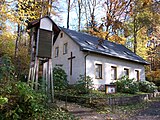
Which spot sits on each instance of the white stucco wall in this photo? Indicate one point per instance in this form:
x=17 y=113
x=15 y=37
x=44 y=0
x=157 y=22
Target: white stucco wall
x=77 y=62
x=46 y=24
x=107 y=62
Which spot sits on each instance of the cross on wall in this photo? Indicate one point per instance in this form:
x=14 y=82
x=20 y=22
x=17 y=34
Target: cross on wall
x=71 y=58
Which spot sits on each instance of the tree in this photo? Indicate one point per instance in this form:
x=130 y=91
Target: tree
x=68 y=10
x=144 y=31
x=79 y=12
x=91 y=6
x=112 y=26
x=7 y=43
x=143 y=18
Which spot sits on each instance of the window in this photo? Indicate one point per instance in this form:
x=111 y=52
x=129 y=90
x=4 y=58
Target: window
x=61 y=35
x=65 y=48
x=137 y=75
x=126 y=72
x=98 y=74
x=113 y=73
x=56 y=51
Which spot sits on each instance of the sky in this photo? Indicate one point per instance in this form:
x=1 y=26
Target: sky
x=61 y=19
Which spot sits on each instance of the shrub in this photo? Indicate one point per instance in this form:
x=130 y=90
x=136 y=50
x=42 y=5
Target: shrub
x=6 y=69
x=146 y=86
x=84 y=85
x=126 y=85
x=60 y=79
x=22 y=102
x=3 y=100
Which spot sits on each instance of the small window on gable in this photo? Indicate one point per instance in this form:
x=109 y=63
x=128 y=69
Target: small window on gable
x=98 y=71
x=65 y=48
x=126 y=72
x=137 y=75
x=56 y=51
x=113 y=73
x=61 y=35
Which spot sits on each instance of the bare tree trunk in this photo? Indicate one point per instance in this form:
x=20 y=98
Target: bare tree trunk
x=135 y=35
x=17 y=40
x=68 y=13
x=49 y=8
x=86 y=15
x=79 y=15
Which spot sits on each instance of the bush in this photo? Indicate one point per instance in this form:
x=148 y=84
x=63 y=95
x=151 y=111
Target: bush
x=23 y=102
x=6 y=69
x=126 y=85
x=60 y=79
x=19 y=102
x=83 y=86
x=146 y=86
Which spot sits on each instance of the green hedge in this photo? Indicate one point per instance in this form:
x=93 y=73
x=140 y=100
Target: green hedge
x=146 y=86
x=126 y=85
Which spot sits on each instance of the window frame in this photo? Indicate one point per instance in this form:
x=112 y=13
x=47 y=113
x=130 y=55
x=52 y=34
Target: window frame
x=126 y=69
x=56 y=52
x=115 y=72
x=99 y=72
x=137 y=75
x=65 y=48
x=61 y=35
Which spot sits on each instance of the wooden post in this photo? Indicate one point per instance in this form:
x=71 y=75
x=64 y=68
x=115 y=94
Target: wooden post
x=36 y=74
x=43 y=77
x=31 y=78
x=48 y=81
x=52 y=84
x=29 y=75
x=31 y=62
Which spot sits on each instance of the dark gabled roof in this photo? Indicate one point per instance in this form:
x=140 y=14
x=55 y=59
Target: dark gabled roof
x=90 y=43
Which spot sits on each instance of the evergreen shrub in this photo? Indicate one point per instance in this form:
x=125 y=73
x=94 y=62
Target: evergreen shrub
x=83 y=85
x=126 y=85
x=146 y=86
x=60 y=79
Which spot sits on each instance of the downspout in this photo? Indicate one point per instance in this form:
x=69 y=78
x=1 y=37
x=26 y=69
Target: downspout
x=85 y=58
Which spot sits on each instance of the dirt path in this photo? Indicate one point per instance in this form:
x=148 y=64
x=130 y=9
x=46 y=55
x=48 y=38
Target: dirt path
x=150 y=113
x=81 y=112
x=84 y=113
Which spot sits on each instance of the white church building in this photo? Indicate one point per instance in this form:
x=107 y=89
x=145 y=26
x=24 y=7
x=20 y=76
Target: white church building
x=81 y=54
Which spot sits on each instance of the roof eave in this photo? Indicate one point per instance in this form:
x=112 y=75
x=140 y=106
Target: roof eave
x=87 y=49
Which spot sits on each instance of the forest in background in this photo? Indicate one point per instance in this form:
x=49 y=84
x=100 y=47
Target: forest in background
x=133 y=23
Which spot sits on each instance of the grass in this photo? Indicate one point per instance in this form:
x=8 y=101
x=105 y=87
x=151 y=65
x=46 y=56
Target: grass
x=100 y=94
x=96 y=93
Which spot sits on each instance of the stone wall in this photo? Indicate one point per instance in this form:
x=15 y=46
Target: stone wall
x=124 y=100
x=96 y=101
